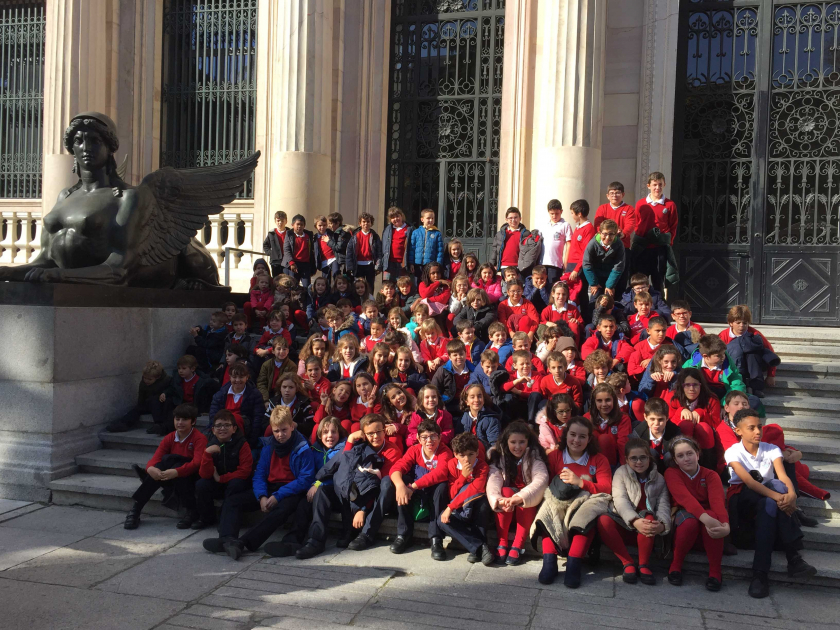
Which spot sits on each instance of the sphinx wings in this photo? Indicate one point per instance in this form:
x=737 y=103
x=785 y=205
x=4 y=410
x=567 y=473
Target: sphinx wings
x=182 y=201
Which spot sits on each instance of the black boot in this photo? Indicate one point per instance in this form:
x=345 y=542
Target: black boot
x=549 y=569
x=132 y=519
x=760 y=585
x=571 y=579
x=805 y=520
x=189 y=518
x=438 y=552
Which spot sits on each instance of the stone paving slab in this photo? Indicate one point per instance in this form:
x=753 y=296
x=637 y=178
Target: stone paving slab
x=7 y=505
x=19 y=545
x=66 y=520
x=153 y=530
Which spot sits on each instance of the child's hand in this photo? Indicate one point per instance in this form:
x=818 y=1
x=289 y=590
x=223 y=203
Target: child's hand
x=325 y=398
x=309 y=384
x=404 y=493
x=644 y=363
x=719 y=531
x=359 y=519
x=466 y=471
x=310 y=495
x=791 y=456
x=162 y=398
x=570 y=478
x=266 y=404
x=264 y=504
x=573 y=276
x=169 y=475
x=153 y=472
x=216 y=476
x=390 y=429
x=770 y=381
x=787 y=503
x=667 y=376
x=444 y=516
x=616 y=362
x=551 y=448
x=355 y=436
x=194 y=332
x=430 y=365
x=610 y=292
x=213 y=450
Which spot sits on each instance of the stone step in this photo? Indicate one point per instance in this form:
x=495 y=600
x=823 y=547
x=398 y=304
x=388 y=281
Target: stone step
x=823 y=448
x=825 y=475
x=802 y=405
x=112 y=462
x=789 y=334
x=800 y=350
x=820 y=509
x=817 y=387
x=104 y=492
x=134 y=440
x=809 y=425
x=814 y=369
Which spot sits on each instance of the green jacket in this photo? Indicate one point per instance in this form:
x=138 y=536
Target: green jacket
x=730 y=378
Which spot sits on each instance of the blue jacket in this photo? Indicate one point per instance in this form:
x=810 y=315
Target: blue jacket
x=475 y=355
x=301 y=461
x=540 y=298
x=426 y=246
x=647 y=384
x=488 y=427
x=350 y=261
x=387 y=235
x=478 y=376
x=504 y=352
x=658 y=304
x=252 y=410
x=444 y=380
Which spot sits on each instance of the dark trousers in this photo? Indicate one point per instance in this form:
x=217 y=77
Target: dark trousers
x=520 y=408
x=773 y=528
x=750 y=364
x=652 y=262
x=300 y=522
x=207 y=490
x=470 y=533
x=553 y=275
x=368 y=272
x=182 y=489
x=326 y=501
x=435 y=498
x=303 y=274
x=394 y=271
x=238 y=504
x=151 y=406
x=330 y=272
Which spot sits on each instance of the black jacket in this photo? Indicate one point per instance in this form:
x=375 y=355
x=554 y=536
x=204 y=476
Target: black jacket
x=273 y=248
x=160 y=386
x=351 y=260
x=481 y=319
x=671 y=431
x=301 y=410
x=289 y=248
x=252 y=410
x=203 y=392
x=344 y=471
x=227 y=459
x=342 y=237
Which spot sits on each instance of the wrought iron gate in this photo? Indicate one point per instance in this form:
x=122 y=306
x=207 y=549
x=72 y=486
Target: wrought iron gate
x=757 y=158
x=209 y=83
x=22 y=31
x=445 y=114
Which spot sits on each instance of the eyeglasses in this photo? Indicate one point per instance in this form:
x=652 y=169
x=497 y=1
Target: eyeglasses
x=222 y=426
x=428 y=438
x=691 y=385
x=641 y=459
x=374 y=433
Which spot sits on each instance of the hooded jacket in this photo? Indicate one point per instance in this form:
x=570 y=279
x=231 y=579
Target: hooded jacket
x=444 y=380
x=425 y=246
x=301 y=462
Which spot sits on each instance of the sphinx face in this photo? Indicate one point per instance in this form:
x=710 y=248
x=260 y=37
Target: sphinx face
x=90 y=150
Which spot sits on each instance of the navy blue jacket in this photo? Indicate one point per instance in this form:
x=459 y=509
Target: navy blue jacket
x=478 y=376
x=540 y=298
x=301 y=461
x=252 y=410
x=657 y=303
x=343 y=470
x=488 y=427
x=387 y=235
x=444 y=380
x=351 y=261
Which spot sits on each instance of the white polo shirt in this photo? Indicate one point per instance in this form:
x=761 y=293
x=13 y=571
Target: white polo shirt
x=556 y=236
x=762 y=462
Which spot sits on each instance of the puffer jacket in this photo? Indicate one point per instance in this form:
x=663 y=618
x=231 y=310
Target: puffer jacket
x=425 y=246
x=627 y=492
x=534 y=473
x=556 y=517
x=350 y=261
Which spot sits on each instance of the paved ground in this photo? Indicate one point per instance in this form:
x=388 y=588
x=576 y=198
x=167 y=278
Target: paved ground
x=66 y=567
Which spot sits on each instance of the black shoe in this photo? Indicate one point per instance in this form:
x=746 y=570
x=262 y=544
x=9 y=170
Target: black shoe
x=805 y=520
x=309 y=550
x=118 y=426
x=760 y=585
x=438 y=552
x=488 y=558
x=140 y=472
x=728 y=548
x=549 y=569
x=344 y=541
x=187 y=521
x=571 y=579
x=675 y=578
x=630 y=578
x=646 y=578
x=234 y=548
x=713 y=584
x=797 y=567
x=759 y=393
x=156 y=429
x=214 y=545
x=281 y=549
x=400 y=544
x=360 y=543
x=132 y=519
x=201 y=524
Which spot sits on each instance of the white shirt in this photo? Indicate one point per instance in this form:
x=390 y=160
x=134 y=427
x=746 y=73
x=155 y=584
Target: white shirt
x=732 y=333
x=185 y=439
x=657 y=441
x=583 y=460
x=236 y=396
x=556 y=236
x=717 y=368
x=696 y=472
x=655 y=202
x=762 y=462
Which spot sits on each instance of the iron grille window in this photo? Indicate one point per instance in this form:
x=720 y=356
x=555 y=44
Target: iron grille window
x=22 y=30
x=445 y=113
x=209 y=83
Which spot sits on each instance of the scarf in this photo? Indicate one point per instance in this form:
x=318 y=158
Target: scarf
x=285 y=449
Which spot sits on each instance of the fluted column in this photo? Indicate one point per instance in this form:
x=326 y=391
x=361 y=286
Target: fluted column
x=569 y=88
x=79 y=61
x=294 y=89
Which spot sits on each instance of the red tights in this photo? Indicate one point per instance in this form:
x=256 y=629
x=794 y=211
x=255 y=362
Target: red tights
x=617 y=538
x=580 y=544
x=523 y=517
x=703 y=434
x=686 y=538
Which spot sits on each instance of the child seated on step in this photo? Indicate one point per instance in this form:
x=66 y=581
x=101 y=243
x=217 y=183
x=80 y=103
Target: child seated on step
x=750 y=350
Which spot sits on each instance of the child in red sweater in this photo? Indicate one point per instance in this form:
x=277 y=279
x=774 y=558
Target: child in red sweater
x=655 y=211
x=276 y=326
x=638 y=321
x=524 y=384
x=750 y=350
x=260 y=302
x=465 y=516
x=622 y=213
x=644 y=350
x=697 y=494
x=433 y=345
x=560 y=381
x=174 y=467
x=434 y=289
x=584 y=232
x=696 y=411
x=683 y=326
x=561 y=310
x=612 y=428
x=517 y=313
x=606 y=339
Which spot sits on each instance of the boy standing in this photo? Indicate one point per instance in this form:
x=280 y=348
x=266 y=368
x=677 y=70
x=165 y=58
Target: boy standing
x=275 y=241
x=326 y=258
x=173 y=467
x=426 y=244
x=655 y=211
x=603 y=261
x=342 y=236
x=364 y=251
x=298 y=252
x=584 y=232
x=508 y=240
x=556 y=244
x=396 y=243
x=622 y=213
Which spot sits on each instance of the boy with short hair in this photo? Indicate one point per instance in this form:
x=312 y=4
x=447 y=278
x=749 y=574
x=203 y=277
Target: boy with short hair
x=603 y=261
x=452 y=377
x=556 y=244
x=356 y=475
x=342 y=234
x=326 y=258
x=225 y=468
x=465 y=516
x=153 y=383
x=370 y=313
x=427 y=455
x=559 y=381
x=285 y=472
x=499 y=342
x=524 y=384
x=271 y=370
x=508 y=241
x=243 y=400
x=240 y=335
x=186 y=387
x=583 y=233
x=276 y=328
x=537 y=289
x=657 y=431
x=425 y=245
x=208 y=346
x=606 y=339
x=377 y=335
x=396 y=244
x=722 y=375
x=517 y=313
x=750 y=350
x=616 y=210
x=474 y=347
x=273 y=245
x=299 y=257
x=639 y=320
x=173 y=467
x=657 y=229
x=364 y=251
x=640 y=283
x=488 y=363
x=406 y=294
x=520 y=341
x=644 y=350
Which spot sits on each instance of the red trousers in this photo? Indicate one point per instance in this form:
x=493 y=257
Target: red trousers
x=688 y=535
x=522 y=516
x=617 y=538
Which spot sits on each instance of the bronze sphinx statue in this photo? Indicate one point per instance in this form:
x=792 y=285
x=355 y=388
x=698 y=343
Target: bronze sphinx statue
x=104 y=231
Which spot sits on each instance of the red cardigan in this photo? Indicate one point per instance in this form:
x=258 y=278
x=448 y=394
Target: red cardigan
x=710 y=414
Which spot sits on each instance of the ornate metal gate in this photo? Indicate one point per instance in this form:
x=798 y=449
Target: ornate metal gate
x=445 y=114
x=209 y=83
x=757 y=158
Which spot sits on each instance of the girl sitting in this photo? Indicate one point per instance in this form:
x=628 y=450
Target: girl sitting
x=398 y=407
x=315 y=346
x=515 y=486
x=315 y=383
x=488 y=281
x=319 y=297
x=429 y=407
x=342 y=289
x=661 y=373
x=397 y=323
x=478 y=312
x=420 y=314
x=380 y=364
x=612 y=428
x=696 y=411
x=363 y=293
x=470 y=267
x=640 y=511
x=347 y=360
x=460 y=290
x=558 y=412
x=405 y=371
x=433 y=346
x=480 y=417
x=363 y=400
x=292 y=394
x=336 y=404
x=434 y=290
x=597 y=366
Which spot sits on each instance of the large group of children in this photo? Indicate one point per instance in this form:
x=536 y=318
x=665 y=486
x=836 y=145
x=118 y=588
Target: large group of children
x=527 y=392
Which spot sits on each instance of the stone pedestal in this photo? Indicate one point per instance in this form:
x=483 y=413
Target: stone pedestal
x=72 y=362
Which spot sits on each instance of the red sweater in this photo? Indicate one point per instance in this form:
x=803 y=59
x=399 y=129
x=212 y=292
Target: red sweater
x=577 y=370
x=525 y=388
x=621 y=430
x=510 y=251
x=414 y=457
x=570 y=385
x=452 y=475
x=662 y=216
x=580 y=239
x=192 y=447
x=506 y=311
x=435 y=350
x=624 y=215
x=623 y=349
x=435 y=292
x=269 y=334
x=571 y=316
x=596 y=474
x=710 y=414
x=398 y=242
x=726 y=337
x=672 y=331
x=639 y=324
x=301 y=250
x=642 y=352
x=363 y=249
x=698 y=496
x=262 y=300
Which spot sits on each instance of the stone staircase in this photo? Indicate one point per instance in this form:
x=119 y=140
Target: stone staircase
x=805 y=402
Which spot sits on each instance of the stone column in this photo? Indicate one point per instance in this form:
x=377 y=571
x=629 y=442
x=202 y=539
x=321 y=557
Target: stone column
x=568 y=116
x=295 y=91
x=79 y=61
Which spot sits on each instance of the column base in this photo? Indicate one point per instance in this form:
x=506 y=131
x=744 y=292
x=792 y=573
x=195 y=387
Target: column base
x=300 y=184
